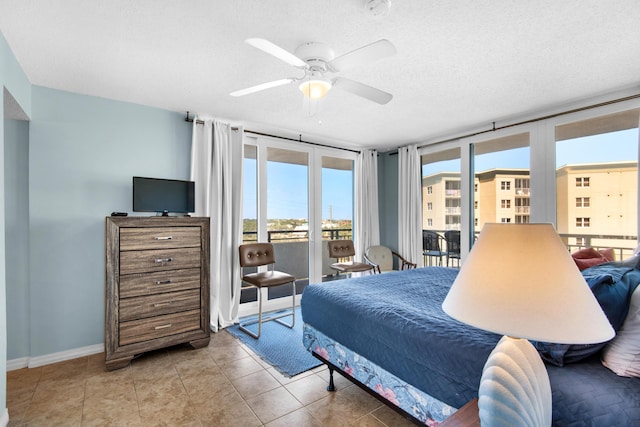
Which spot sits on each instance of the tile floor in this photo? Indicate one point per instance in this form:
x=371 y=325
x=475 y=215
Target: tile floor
x=225 y=384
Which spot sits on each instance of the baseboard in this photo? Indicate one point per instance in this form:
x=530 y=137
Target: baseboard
x=34 y=362
x=4 y=419
x=20 y=363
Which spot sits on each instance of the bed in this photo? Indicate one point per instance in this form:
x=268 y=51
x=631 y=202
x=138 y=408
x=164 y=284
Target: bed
x=388 y=334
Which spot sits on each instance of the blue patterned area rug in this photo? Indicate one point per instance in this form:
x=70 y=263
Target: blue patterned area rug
x=278 y=345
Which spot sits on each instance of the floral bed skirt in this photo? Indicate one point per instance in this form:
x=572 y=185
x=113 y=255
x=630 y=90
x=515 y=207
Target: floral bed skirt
x=425 y=408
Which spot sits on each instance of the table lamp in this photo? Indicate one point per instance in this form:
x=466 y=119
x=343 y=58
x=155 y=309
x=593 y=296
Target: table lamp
x=520 y=281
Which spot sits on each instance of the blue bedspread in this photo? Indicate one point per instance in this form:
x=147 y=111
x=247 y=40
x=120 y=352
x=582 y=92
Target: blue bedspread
x=396 y=321
x=412 y=338
x=588 y=394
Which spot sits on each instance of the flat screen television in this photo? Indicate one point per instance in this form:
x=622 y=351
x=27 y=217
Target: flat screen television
x=163 y=195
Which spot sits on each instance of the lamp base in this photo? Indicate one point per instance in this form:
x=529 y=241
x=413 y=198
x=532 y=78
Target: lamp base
x=514 y=389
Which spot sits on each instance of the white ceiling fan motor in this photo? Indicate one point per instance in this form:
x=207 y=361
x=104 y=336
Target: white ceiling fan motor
x=315 y=54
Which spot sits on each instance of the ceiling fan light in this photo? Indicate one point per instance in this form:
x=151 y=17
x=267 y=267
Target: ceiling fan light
x=316 y=88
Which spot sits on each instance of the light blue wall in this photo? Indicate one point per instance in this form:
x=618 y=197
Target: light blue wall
x=83 y=153
x=3 y=287
x=13 y=79
x=388 y=199
x=16 y=192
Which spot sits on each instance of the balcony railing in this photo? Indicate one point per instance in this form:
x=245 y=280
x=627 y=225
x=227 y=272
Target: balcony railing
x=274 y=236
x=292 y=246
x=623 y=246
x=523 y=209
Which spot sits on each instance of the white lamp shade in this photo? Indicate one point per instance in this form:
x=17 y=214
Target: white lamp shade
x=316 y=88
x=520 y=280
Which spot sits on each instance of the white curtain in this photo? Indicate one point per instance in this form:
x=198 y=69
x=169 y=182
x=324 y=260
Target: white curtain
x=216 y=168
x=366 y=202
x=410 y=204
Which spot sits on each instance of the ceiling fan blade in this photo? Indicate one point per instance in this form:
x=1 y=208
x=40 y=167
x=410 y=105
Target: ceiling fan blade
x=364 y=55
x=263 y=86
x=363 y=90
x=275 y=50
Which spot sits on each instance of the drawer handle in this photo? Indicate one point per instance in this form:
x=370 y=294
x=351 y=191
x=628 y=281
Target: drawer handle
x=163 y=282
x=163 y=237
x=168 y=325
x=161 y=260
x=162 y=304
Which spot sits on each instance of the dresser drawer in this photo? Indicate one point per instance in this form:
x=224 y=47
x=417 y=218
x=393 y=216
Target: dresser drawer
x=140 y=284
x=158 y=260
x=157 y=327
x=133 y=239
x=155 y=305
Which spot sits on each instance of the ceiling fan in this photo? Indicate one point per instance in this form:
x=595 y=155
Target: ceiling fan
x=318 y=60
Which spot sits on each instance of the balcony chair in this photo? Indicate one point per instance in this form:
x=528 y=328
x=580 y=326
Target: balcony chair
x=432 y=244
x=452 y=238
x=381 y=258
x=256 y=255
x=344 y=252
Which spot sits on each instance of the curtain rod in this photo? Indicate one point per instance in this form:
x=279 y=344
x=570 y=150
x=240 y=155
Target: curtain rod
x=537 y=119
x=201 y=122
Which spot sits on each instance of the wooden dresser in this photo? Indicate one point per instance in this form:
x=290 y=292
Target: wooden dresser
x=157 y=285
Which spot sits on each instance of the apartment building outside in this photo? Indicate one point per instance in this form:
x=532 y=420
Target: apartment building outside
x=441 y=198
x=597 y=202
x=500 y=195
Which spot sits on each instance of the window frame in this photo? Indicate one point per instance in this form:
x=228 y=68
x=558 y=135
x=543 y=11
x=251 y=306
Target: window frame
x=583 y=222
x=314 y=177
x=583 y=202
x=583 y=182
x=542 y=140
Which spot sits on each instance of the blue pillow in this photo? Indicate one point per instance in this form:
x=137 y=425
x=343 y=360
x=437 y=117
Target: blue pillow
x=612 y=284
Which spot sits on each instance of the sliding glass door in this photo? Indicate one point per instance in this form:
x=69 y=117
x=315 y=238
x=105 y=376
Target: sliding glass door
x=250 y=210
x=597 y=182
x=337 y=206
x=502 y=181
x=287 y=194
x=441 y=207
x=296 y=196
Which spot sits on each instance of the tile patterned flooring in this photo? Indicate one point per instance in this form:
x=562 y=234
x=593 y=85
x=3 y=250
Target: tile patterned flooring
x=225 y=384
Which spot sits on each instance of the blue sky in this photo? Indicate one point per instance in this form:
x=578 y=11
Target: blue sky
x=611 y=147
x=287 y=183
x=287 y=191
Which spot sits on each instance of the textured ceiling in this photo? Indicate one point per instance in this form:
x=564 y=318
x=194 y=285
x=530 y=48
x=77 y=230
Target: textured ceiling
x=460 y=64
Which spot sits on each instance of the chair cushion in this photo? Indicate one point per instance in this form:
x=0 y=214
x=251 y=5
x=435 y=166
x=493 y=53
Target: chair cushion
x=268 y=278
x=341 y=248
x=382 y=256
x=351 y=266
x=256 y=254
